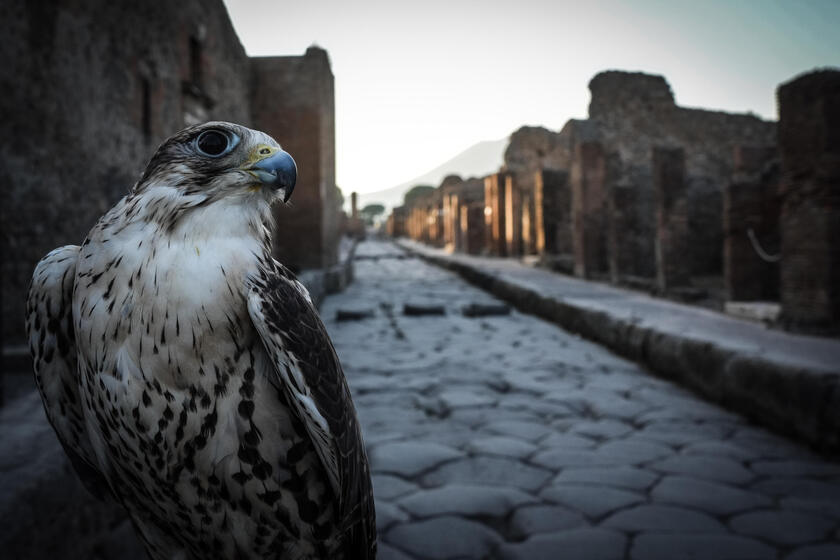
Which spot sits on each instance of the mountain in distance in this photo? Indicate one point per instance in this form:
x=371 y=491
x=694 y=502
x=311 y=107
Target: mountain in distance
x=476 y=161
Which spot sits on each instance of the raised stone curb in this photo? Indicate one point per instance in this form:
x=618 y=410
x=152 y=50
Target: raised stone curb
x=324 y=281
x=790 y=396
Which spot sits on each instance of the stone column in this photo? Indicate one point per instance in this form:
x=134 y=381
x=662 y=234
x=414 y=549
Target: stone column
x=673 y=267
x=354 y=205
x=750 y=205
x=809 y=146
x=587 y=177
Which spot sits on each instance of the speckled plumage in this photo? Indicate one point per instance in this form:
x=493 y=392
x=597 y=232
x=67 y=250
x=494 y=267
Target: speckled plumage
x=187 y=373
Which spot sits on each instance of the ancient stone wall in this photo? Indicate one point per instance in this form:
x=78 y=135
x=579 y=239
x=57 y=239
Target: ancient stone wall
x=622 y=231
x=89 y=91
x=750 y=225
x=424 y=220
x=809 y=145
x=293 y=100
x=495 y=214
x=450 y=210
x=469 y=208
x=588 y=209
x=396 y=224
x=92 y=88
x=553 y=203
x=635 y=112
x=672 y=237
x=630 y=114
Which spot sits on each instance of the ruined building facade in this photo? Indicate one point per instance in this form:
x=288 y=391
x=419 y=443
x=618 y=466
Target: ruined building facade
x=92 y=88
x=672 y=199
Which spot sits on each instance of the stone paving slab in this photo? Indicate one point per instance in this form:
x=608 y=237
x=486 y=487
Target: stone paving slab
x=788 y=381
x=668 y=546
x=575 y=544
x=508 y=437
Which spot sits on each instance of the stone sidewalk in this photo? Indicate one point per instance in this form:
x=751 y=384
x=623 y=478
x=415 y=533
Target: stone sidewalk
x=506 y=437
x=787 y=381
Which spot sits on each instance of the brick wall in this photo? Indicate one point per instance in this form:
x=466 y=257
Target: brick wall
x=292 y=99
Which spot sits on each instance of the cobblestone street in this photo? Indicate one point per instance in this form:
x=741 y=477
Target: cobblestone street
x=503 y=436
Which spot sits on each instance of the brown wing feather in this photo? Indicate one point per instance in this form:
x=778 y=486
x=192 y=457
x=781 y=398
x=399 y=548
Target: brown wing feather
x=294 y=335
x=49 y=326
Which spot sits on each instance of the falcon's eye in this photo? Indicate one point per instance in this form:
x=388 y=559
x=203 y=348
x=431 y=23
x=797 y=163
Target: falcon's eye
x=213 y=143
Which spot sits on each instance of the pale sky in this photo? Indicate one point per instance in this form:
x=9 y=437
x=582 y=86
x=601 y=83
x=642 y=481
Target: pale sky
x=418 y=82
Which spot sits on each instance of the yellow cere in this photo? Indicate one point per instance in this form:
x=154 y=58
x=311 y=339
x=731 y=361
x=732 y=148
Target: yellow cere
x=259 y=153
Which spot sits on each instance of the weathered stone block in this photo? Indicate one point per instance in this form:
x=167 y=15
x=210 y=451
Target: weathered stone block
x=809 y=118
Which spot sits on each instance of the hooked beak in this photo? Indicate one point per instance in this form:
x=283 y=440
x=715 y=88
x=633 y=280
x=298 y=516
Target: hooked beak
x=277 y=171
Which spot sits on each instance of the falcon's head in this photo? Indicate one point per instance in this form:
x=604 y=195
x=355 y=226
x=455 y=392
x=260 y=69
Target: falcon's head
x=218 y=160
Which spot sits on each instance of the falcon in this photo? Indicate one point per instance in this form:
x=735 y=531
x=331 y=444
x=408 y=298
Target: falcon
x=187 y=373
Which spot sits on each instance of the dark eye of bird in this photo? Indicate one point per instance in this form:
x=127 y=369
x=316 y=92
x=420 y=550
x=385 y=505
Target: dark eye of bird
x=212 y=143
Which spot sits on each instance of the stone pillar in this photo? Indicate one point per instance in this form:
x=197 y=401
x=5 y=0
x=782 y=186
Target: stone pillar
x=587 y=177
x=809 y=146
x=552 y=208
x=354 y=205
x=513 y=218
x=495 y=214
x=750 y=204
x=621 y=231
x=673 y=268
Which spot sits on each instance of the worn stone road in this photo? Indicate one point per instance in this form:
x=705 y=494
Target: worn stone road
x=506 y=437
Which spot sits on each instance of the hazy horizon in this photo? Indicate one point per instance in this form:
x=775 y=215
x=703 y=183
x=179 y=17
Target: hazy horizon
x=417 y=84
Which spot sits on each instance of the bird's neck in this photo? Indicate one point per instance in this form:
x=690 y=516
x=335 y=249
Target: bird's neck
x=201 y=220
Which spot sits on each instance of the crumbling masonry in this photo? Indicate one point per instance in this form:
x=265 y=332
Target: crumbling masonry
x=92 y=88
x=684 y=202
